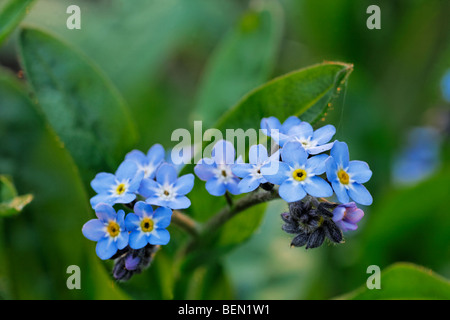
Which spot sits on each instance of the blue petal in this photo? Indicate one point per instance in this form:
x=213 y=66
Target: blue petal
x=290 y=122
x=159 y=237
x=317 y=187
x=148 y=188
x=270 y=123
x=291 y=191
x=106 y=248
x=182 y=202
x=340 y=154
x=204 y=170
x=304 y=130
x=340 y=191
x=360 y=194
x=135 y=183
x=294 y=154
x=276 y=172
x=166 y=174
x=126 y=171
x=257 y=154
x=359 y=171
x=94 y=230
x=132 y=222
x=122 y=240
x=233 y=186
x=324 y=134
x=242 y=169
x=331 y=168
x=320 y=149
x=317 y=164
x=125 y=198
x=105 y=212
x=156 y=201
x=248 y=184
x=156 y=155
x=338 y=213
x=137 y=156
x=142 y=209
x=223 y=152
x=103 y=182
x=137 y=240
x=102 y=198
x=162 y=217
x=215 y=187
x=184 y=184
x=345 y=226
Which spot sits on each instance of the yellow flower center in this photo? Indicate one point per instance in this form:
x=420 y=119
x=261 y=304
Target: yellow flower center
x=147 y=225
x=120 y=188
x=113 y=229
x=299 y=174
x=343 y=176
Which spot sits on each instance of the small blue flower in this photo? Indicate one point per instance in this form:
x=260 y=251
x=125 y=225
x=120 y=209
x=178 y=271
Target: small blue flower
x=108 y=231
x=297 y=174
x=119 y=187
x=347 y=215
x=347 y=177
x=251 y=172
x=216 y=171
x=168 y=190
x=147 y=226
x=147 y=163
x=314 y=142
x=278 y=131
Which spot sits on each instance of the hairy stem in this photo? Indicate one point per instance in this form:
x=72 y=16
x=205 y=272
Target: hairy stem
x=186 y=223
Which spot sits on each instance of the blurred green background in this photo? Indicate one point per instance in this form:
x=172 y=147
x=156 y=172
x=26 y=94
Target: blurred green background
x=176 y=61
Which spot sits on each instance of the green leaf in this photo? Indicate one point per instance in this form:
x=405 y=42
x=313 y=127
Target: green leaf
x=80 y=104
x=37 y=246
x=234 y=68
x=10 y=16
x=10 y=202
x=403 y=281
x=305 y=93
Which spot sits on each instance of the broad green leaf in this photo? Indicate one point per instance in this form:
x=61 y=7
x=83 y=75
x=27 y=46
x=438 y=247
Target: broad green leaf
x=242 y=61
x=11 y=14
x=81 y=105
x=405 y=281
x=38 y=245
x=10 y=202
x=305 y=93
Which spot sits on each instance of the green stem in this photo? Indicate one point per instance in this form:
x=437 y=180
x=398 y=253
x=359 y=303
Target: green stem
x=186 y=223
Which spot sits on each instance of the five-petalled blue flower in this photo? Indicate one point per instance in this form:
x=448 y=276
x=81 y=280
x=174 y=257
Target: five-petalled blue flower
x=346 y=176
x=216 y=171
x=147 y=226
x=168 y=190
x=108 y=231
x=120 y=187
x=297 y=174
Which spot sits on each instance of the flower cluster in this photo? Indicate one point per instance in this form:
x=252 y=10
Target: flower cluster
x=301 y=169
x=150 y=187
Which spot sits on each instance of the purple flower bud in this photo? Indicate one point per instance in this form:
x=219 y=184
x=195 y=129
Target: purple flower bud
x=347 y=215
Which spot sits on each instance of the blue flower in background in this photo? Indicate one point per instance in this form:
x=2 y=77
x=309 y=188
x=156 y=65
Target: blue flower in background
x=296 y=174
x=419 y=158
x=445 y=86
x=346 y=176
x=216 y=171
x=251 y=172
x=108 y=231
x=147 y=226
x=147 y=163
x=119 y=187
x=346 y=216
x=277 y=131
x=314 y=142
x=168 y=190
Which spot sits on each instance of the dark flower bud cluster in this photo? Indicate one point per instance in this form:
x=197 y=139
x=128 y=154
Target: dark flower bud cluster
x=312 y=222
x=129 y=262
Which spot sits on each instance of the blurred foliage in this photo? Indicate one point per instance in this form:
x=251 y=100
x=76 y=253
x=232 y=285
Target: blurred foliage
x=140 y=69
